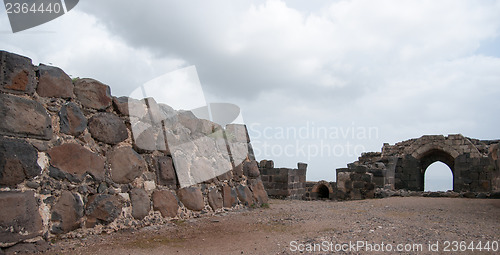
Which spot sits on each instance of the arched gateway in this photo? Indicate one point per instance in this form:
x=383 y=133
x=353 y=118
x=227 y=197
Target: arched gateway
x=403 y=165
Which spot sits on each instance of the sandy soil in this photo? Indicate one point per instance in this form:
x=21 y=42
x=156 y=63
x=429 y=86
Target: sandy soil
x=411 y=223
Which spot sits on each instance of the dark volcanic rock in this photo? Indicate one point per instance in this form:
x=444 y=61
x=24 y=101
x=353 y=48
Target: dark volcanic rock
x=66 y=213
x=53 y=82
x=230 y=196
x=251 y=169
x=130 y=107
x=74 y=159
x=126 y=165
x=165 y=202
x=102 y=208
x=93 y=94
x=140 y=203
x=192 y=198
x=22 y=117
x=244 y=195
x=165 y=172
x=259 y=192
x=73 y=122
x=19 y=213
x=18 y=161
x=17 y=74
x=215 y=199
x=107 y=127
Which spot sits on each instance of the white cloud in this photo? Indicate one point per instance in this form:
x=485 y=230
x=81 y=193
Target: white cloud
x=407 y=67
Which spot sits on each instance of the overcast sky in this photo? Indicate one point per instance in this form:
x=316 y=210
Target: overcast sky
x=367 y=72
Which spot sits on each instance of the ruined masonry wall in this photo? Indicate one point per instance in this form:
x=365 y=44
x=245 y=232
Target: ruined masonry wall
x=70 y=164
x=284 y=182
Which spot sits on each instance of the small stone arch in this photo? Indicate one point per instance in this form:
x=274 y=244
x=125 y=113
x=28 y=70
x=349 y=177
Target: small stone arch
x=435 y=155
x=322 y=190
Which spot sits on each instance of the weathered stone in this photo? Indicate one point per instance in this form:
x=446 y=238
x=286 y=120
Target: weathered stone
x=259 y=192
x=76 y=160
x=93 y=94
x=102 y=208
x=165 y=202
x=229 y=195
x=151 y=139
x=66 y=213
x=53 y=82
x=19 y=217
x=215 y=199
x=17 y=74
x=140 y=203
x=165 y=172
x=73 y=122
x=251 y=169
x=244 y=195
x=108 y=128
x=130 y=107
x=18 y=161
x=126 y=164
x=23 y=117
x=192 y=198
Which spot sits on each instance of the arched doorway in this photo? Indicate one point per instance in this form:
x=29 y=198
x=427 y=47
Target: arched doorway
x=323 y=192
x=438 y=177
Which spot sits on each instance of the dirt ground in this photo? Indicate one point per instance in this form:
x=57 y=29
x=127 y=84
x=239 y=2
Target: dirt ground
x=405 y=225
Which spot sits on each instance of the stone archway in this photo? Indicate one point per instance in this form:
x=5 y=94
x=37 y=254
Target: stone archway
x=322 y=190
x=432 y=156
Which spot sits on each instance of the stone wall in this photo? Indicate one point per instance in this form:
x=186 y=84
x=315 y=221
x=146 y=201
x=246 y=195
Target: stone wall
x=283 y=182
x=474 y=163
x=76 y=160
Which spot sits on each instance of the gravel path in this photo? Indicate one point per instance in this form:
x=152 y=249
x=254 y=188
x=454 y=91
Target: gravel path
x=406 y=225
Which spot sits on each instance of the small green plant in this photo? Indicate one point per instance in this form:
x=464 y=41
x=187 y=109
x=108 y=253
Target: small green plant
x=265 y=205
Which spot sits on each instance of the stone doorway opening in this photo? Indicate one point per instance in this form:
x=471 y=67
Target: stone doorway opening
x=323 y=192
x=438 y=177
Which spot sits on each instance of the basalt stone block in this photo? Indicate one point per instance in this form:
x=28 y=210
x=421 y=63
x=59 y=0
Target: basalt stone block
x=130 y=107
x=93 y=94
x=108 y=128
x=17 y=74
x=229 y=196
x=251 y=169
x=102 y=208
x=66 y=213
x=23 y=117
x=76 y=160
x=215 y=199
x=126 y=165
x=19 y=217
x=244 y=195
x=192 y=198
x=165 y=172
x=140 y=203
x=259 y=192
x=53 y=82
x=73 y=122
x=165 y=202
x=18 y=161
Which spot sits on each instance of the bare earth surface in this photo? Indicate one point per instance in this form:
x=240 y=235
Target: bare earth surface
x=407 y=223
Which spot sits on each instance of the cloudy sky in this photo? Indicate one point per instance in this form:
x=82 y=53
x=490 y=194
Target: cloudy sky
x=317 y=81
